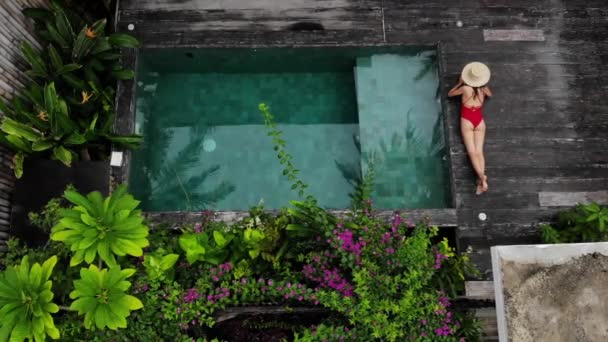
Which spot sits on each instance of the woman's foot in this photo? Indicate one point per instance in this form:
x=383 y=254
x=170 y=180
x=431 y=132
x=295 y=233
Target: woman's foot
x=479 y=189
x=484 y=184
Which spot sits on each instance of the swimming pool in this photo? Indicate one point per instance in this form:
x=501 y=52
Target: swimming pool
x=342 y=110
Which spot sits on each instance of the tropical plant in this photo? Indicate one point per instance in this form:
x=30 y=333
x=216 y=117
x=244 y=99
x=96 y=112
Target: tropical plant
x=203 y=247
x=158 y=265
x=26 y=302
x=67 y=110
x=100 y=296
x=289 y=170
x=79 y=53
x=96 y=227
x=53 y=130
x=583 y=223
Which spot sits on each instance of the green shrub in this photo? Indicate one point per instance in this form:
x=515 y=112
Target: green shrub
x=26 y=301
x=583 y=223
x=66 y=111
x=95 y=227
x=100 y=296
x=380 y=280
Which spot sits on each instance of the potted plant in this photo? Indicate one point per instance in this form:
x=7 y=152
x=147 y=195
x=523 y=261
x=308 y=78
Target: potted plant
x=63 y=117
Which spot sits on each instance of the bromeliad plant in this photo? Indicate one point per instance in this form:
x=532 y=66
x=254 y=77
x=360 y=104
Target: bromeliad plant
x=100 y=295
x=26 y=302
x=95 y=227
x=66 y=112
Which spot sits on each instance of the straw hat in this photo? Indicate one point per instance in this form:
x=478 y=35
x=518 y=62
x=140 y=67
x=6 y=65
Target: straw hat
x=476 y=74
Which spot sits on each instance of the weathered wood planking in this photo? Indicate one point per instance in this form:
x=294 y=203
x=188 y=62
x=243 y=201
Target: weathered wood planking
x=546 y=125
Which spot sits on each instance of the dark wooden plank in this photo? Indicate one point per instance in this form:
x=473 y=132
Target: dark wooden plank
x=254 y=38
x=251 y=19
x=493 y=199
x=523 y=156
x=534 y=185
x=240 y=4
x=538 y=170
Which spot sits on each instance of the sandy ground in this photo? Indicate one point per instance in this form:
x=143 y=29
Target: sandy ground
x=562 y=303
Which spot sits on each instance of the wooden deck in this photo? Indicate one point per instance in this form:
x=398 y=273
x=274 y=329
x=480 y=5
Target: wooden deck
x=548 y=120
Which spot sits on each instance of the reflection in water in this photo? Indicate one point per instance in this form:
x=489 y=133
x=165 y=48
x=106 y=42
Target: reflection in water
x=168 y=181
x=324 y=101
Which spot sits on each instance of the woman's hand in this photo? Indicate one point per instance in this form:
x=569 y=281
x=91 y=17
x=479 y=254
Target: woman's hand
x=457 y=90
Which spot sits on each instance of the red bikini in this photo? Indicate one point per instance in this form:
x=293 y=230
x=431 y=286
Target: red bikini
x=472 y=114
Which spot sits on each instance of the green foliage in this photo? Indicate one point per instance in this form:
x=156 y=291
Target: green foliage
x=327 y=332
x=206 y=248
x=26 y=301
x=363 y=190
x=583 y=223
x=158 y=265
x=96 y=227
x=66 y=111
x=100 y=296
x=49 y=216
x=284 y=157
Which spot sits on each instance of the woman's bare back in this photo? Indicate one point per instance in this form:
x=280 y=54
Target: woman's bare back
x=474 y=101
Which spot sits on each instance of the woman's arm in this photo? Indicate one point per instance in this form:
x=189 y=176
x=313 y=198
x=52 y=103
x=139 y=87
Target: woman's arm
x=457 y=89
x=487 y=91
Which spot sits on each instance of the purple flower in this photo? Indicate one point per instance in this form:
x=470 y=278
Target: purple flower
x=197 y=228
x=270 y=282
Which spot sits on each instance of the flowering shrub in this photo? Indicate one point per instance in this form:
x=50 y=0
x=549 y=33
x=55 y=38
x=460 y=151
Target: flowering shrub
x=379 y=279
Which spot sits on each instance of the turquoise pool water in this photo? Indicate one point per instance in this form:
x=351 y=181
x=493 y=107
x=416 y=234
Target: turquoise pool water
x=341 y=110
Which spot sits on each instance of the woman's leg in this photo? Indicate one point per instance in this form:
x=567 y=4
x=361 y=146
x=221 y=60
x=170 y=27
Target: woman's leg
x=468 y=136
x=479 y=135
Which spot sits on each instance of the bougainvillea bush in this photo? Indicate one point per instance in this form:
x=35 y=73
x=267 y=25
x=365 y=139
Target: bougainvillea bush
x=378 y=278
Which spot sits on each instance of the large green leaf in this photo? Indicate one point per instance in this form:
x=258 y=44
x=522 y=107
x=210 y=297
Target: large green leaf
x=38 y=13
x=123 y=74
x=56 y=36
x=42 y=145
x=55 y=58
x=18 y=159
x=75 y=139
x=63 y=155
x=102 y=45
x=130 y=141
x=123 y=40
x=68 y=68
x=74 y=81
x=63 y=26
x=33 y=58
x=15 y=128
x=19 y=144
